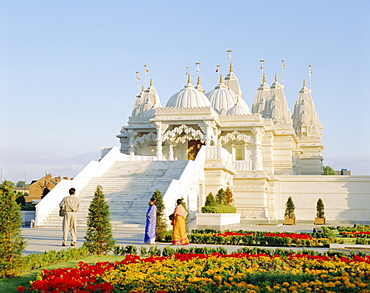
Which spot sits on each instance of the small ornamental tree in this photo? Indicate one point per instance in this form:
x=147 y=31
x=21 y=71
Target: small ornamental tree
x=320 y=208
x=161 y=224
x=229 y=197
x=221 y=197
x=210 y=200
x=12 y=243
x=99 y=237
x=289 y=209
x=219 y=203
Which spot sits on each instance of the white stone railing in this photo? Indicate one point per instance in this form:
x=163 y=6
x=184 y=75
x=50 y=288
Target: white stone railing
x=218 y=152
x=243 y=165
x=187 y=186
x=94 y=169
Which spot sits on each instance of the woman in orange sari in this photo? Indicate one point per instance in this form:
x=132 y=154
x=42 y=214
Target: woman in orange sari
x=179 y=226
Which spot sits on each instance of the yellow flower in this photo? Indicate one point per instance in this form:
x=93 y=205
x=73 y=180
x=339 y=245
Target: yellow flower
x=330 y=284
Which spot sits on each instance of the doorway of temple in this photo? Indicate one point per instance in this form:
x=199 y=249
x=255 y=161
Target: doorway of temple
x=193 y=148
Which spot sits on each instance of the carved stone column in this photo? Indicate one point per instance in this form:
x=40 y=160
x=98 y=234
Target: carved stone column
x=170 y=150
x=159 y=128
x=257 y=161
x=131 y=147
x=208 y=131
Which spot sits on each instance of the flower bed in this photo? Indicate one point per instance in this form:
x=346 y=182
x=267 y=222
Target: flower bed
x=239 y=272
x=258 y=239
x=355 y=234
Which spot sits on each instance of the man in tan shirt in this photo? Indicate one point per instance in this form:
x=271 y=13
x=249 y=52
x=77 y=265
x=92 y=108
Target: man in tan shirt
x=71 y=205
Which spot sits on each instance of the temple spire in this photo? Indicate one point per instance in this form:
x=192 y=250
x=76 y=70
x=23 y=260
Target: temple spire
x=198 y=68
x=146 y=70
x=137 y=82
x=262 y=66
x=229 y=56
x=282 y=71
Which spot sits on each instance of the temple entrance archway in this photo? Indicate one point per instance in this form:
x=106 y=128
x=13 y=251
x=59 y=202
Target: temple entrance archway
x=193 y=149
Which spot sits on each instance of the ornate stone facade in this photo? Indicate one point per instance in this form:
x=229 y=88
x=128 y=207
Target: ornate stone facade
x=261 y=144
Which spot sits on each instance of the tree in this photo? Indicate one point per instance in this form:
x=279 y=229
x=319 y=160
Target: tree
x=12 y=243
x=161 y=224
x=21 y=184
x=20 y=198
x=221 y=197
x=99 y=237
x=327 y=170
x=289 y=209
x=229 y=197
x=320 y=208
x=210 y=200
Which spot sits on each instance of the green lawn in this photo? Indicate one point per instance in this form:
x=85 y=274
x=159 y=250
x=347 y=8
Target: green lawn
x=11 y=284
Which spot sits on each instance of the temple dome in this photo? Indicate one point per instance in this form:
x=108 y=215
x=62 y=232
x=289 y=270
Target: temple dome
x=221 y=97
x=188 y=97
x=238 y=109
x=243 y=104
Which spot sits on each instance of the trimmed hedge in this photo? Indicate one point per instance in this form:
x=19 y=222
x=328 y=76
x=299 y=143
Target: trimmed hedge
x=38 y=260
x=167 y=251
x=218 y=209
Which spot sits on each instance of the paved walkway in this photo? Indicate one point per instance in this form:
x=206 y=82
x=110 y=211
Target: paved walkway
x=42 y=239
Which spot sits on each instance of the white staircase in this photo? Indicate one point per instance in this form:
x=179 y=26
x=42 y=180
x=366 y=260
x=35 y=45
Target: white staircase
x=127 y=186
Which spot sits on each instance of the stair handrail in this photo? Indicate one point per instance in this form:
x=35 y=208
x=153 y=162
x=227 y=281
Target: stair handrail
x=51 y=201
x=187 y=186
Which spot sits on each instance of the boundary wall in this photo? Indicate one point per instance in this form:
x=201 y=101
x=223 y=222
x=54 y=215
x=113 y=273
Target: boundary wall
x=346 y=198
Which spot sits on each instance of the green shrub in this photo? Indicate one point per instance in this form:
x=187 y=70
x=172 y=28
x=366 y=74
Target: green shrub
x=38 y=260
x=210 y=200
x=143 y=251
x=218 y=209
x=28 y=207
x=131 y=249
x=167 y=251
x=219 y=204
x=229 y=197
x=154 y=250
x=221 y=197
x=328 y=233
x=289 y=208
x=119 y=250
x=320 y=208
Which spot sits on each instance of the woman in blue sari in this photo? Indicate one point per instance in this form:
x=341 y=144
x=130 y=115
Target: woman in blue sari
x=151 y=220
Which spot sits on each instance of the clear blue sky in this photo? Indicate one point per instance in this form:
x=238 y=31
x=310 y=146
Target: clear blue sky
x=67 y=70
